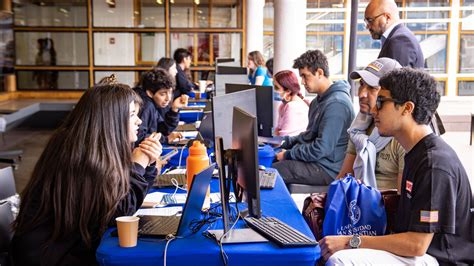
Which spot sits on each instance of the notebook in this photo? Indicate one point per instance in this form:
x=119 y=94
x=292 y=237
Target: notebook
x=179 y=225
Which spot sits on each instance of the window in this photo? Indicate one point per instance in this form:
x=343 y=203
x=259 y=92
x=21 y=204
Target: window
x=50 y=13
x=52 y=80
x=54 y=41
x=51 y=48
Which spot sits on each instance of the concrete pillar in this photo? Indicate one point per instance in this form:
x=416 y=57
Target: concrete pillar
x=289 y=38
x=254 y=23
x=290 y=32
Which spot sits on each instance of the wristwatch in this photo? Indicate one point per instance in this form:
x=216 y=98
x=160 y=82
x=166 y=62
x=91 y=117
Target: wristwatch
x=355 y=241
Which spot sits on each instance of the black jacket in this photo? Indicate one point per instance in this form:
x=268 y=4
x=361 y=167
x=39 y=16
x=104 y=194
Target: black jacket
x=183 y=84
x=30 y=248
x=155 y=118
x=403 y=46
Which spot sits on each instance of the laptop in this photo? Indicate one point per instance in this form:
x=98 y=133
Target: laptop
x=161 y=226
x=205 y=132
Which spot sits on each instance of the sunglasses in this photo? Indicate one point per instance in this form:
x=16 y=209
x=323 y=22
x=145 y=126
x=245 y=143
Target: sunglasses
x=381 y=100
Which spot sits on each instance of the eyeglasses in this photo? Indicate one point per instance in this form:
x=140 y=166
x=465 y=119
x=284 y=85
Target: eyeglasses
x=381 y=100
x=369 y=21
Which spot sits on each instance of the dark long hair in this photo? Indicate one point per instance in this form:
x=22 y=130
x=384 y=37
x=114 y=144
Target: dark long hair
x=84 y=170
x=165 y=63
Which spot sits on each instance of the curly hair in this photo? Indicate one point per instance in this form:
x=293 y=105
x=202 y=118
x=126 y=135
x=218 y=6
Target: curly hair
x=407 y=84
x=157 y=79
x=313 y=59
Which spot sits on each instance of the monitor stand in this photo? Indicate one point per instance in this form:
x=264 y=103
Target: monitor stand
x=234 y=236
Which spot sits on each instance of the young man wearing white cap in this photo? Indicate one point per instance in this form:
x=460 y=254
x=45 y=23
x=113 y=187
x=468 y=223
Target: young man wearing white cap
x=377 y=160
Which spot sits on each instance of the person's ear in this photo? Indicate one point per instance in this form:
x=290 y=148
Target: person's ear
x=149 y=93
x=320 y=72
x=408 y=107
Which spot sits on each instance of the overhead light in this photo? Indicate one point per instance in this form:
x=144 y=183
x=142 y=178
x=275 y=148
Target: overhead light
x=196 y=2
x=172 y=1
x=159 y=2
x=111 y=3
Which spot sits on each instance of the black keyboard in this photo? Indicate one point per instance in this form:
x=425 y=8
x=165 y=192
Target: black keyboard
x=267 y=179
x=165 y=180
x=278 y=232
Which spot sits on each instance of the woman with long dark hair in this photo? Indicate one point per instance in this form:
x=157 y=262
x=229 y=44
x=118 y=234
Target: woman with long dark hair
x=169 y=65
x=86 y=176
x=293 y=112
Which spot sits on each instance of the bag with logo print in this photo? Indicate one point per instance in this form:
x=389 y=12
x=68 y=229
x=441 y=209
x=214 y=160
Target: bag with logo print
x=353 y=209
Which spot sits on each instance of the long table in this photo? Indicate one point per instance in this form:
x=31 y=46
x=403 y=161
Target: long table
x=199 y=250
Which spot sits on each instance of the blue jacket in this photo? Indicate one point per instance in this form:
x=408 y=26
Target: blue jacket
x=155 y=118
x=325 y=140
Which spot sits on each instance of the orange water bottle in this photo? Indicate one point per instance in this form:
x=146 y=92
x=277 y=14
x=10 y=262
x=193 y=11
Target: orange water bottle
x=196 y=161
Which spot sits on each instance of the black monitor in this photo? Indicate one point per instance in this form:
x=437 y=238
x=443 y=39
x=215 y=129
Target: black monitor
x=224 y=60
x=264 y=98
x=245 y=145
x=231 y=70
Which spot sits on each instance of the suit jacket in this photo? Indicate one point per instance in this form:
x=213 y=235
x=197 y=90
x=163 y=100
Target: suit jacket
x=403 y=46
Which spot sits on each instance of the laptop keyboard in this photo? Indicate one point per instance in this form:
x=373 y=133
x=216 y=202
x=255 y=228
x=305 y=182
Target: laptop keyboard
x=165 y=180
x=186 y=127
x=279 y=232
x=267 y=179
x=158 y=225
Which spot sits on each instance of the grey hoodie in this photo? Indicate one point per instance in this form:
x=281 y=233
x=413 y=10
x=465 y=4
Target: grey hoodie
x=325 y=140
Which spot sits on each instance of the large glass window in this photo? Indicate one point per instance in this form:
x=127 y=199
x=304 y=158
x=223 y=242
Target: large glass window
x=50 y=13
x=205 y=14
x=332 y=47
x=52 y=80
x=203 y=49
x=466 y=58
x=434 y=51
x=51 y=48
x=152 y=47
x=151 y=14
x=114 y=49
x=466 y=88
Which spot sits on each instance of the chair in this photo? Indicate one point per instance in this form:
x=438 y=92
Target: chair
x=6 y=233
x=7 y=183
x=305 y=189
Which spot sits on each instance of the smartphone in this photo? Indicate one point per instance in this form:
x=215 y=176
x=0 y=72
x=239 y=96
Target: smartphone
x=169 y=155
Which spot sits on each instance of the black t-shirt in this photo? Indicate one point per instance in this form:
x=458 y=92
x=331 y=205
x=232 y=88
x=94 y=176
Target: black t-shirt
x=436 y=198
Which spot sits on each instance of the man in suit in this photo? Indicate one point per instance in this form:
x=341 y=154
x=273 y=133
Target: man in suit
x=398 y=42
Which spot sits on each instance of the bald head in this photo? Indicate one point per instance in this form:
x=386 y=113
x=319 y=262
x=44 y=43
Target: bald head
x=383 y=6
x=380 y=15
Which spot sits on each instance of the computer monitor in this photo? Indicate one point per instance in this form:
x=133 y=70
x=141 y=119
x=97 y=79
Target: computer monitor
x=222 y=79
x=264 y=96
x=245 y=144
x=223 y=111
x=206 y=129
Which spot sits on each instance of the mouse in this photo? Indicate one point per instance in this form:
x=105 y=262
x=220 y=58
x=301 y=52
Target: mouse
x=261 y=167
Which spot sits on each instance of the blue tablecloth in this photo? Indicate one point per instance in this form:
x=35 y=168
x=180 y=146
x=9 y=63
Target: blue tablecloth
x=199 y=250
x=190 y=116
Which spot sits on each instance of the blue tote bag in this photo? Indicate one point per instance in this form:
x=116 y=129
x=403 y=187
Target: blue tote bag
x=353 y=209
